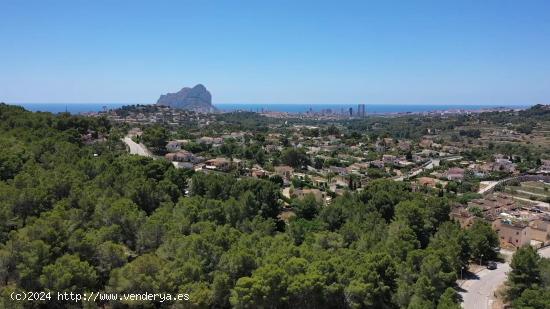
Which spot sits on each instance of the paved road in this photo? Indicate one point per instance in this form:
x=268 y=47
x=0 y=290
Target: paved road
x=479 y=293
x=521 y=178
x=530 y=193
x=489 y=186
x=537 y=203
x=136 y=148
x=428 y=166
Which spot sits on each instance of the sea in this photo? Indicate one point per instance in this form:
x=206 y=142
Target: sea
x=80 y=108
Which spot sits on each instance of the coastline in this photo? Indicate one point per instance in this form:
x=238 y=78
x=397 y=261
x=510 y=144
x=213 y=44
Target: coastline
x=291 y=109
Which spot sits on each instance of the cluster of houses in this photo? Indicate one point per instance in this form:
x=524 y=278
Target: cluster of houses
x=337 y=165
x=401 y=158
x=344 y=166
x=458 y=173
x=517 y=224
x=153 y=114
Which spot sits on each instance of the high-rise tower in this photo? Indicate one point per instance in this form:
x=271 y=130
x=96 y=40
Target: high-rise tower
x=361 y=110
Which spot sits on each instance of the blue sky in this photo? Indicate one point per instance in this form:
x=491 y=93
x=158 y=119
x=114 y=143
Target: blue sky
x=386 y=52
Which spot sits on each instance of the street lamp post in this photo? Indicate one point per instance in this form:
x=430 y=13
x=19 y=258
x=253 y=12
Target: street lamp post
x=480 y=260
x=461 y=269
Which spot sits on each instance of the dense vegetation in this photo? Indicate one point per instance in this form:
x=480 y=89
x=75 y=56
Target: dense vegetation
x=85 y=216
x=529 y=280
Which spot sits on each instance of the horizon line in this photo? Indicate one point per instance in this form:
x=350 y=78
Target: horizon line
x=291 y=103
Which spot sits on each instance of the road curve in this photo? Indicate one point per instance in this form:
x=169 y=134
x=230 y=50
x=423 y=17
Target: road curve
x=135 y=148
x=479 y=293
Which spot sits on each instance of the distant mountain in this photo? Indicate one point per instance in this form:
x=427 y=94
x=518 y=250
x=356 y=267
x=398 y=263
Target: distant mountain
x=196 y=99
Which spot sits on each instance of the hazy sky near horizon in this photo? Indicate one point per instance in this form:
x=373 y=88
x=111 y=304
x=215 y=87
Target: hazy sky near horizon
x=389 y=52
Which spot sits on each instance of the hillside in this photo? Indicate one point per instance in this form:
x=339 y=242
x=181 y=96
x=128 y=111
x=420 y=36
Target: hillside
x=80 y=214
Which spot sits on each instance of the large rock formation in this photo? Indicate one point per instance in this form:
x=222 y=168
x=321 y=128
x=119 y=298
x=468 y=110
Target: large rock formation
x=196 y=99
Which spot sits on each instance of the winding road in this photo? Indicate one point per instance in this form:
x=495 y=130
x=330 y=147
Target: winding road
x=135 y=148
x=489 y=185
x=479 y=292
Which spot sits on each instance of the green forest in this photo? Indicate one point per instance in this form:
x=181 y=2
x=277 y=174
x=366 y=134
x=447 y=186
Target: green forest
x=79 y=216
x=529 y=281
